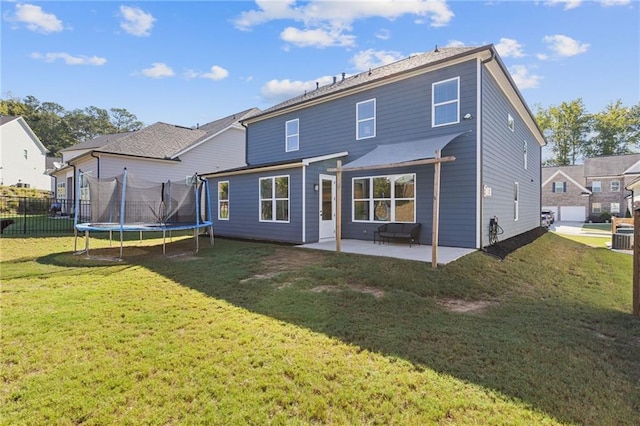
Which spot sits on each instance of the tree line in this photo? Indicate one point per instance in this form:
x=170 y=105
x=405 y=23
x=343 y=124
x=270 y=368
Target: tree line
x=573 y=134
x=58 y=128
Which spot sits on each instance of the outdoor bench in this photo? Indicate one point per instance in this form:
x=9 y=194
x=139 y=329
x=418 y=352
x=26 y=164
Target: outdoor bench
x=405 y=231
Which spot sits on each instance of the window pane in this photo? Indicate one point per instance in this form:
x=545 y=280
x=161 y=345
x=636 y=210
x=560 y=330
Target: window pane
x=327 y=200
x=361 y=188
x=292 y=127
x=404 y=186
x=266 y=210
x=446 y=113
x=224 y=210
x=446 y=91
x=382 y=187
x=404 y=211
x=266 y=188
x=282 y=187
x=223 y=190
x=361 y=210
x=366 y=110
x=282 y=210
x=382 y=211
x=365 y=128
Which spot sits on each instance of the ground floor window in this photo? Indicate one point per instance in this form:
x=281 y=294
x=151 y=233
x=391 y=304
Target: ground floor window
x=84 y=185
x=615 y=208
x=596 y=208
x=384 y=198
x=223 y=200
x=274 y=199
x=61 y=191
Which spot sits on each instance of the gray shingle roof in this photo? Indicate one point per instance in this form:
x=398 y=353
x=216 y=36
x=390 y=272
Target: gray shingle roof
x=96 y=142
x=377 y=74
x=4 y=119
x=223 y=123
x=609 y=165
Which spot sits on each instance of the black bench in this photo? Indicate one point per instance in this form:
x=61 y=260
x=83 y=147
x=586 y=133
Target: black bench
x=406 y=231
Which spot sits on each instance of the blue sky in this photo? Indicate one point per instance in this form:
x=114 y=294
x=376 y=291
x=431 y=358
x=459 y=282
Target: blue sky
x=193 y=62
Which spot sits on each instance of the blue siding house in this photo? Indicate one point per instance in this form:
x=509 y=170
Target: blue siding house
x=373 y=143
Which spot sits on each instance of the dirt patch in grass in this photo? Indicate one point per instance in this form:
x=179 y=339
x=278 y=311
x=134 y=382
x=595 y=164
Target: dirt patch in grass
x=375 y=292
x=502 y=249
x=286 y=260
x=465 y=306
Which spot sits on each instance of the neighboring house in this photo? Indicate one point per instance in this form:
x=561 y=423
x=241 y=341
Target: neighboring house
x=587 y=191
x=387 y=127
x=22 y=155
x=157 y=153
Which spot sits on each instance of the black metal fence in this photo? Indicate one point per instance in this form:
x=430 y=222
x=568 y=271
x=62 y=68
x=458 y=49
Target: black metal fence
x=37 y=216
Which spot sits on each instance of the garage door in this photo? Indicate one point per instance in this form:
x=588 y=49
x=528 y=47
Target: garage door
x=572 y=213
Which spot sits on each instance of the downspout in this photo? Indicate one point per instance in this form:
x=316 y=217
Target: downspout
x=480 y=148
x=97 y=162
x=246 y=144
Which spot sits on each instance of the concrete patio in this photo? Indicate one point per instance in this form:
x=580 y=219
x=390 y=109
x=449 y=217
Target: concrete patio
x=421 y=253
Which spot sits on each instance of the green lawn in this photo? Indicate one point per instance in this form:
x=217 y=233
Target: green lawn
x=252 y=333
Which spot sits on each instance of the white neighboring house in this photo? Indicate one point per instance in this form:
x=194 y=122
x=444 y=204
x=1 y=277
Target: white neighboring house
x=158 y=153
x=22 y=155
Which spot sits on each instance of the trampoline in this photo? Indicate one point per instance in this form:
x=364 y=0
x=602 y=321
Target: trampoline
x=127 y=203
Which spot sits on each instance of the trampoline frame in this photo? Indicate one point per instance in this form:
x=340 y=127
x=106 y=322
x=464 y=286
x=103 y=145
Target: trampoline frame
x=122 y=227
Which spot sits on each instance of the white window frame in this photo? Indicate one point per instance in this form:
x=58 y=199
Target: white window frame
x=293 y=136
x=222 y=202
x=61 y=190
x=84 y=186
x=596 y=208
x=524 y=153
x=559 y=185
x=360 y=120
x=274 y=200
x=617 y=185
x=615 y=209
x=516 y=201
x=435 y=105
x=391 y=198
x=594 y=186
x=511 y=123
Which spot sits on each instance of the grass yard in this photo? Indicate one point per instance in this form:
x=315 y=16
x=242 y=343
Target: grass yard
x=252 y=333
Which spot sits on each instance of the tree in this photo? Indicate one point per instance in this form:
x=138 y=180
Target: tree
x=124 y=121
x=566 y=128
x=616 y=130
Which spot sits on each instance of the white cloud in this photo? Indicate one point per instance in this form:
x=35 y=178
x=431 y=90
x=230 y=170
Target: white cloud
x=455 y=43
x=135 y=21
x=383 y=34
x=216 y=73
x=36 y=19
x=69 y=59
x=523 y=79
x=568 y=4
x=280 y=90
x=565 y=46
x=367 y=59
x=328 y=23
x=610 y=3
x=508 y=47
x=318 y=38
x=158 y=70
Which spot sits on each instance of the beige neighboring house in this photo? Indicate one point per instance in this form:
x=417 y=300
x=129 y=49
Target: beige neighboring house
x=584 y=192
x=23 y=158
x=158 y=153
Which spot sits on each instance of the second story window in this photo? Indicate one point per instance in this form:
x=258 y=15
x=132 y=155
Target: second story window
x=559 y=186
x=26 y=154
x=366 y=119
x=292 y=130
x=615 y=186
x=524 y=153
x=511 y=123
x=596 y=186
x=446 y=102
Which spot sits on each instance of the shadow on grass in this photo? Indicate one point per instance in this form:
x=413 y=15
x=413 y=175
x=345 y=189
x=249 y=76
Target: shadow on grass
x=552 y=334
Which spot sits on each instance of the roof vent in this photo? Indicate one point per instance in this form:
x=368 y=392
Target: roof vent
x=436 y=49
x=343 y=74
x=317 y=85
x=334 y=79
x=369 y=71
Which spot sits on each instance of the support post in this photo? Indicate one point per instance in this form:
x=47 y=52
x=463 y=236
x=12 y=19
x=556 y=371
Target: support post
x=636 y=263
x=339 y=206
x=436 y=212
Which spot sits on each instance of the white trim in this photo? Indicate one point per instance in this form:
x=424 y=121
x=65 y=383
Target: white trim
x=274 y=199
x=287 y=135
x=479 y=206
x=392 y=198
x=456 y=101
x=307 y=161
x=304 y=203
x=550 y=178
x=227 y=200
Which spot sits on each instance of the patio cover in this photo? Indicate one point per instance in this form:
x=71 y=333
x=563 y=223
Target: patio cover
x=393 y=155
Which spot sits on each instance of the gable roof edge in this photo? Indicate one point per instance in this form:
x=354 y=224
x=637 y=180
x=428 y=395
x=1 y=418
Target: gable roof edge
x=569 y=178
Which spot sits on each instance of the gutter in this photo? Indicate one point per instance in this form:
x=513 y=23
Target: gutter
x=98 y=162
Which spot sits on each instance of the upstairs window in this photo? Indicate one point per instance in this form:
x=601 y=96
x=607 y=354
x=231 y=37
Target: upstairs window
x=446 y=102
x=26 y=154
x=274 y=199
x=615 y=186
x=366 y=119
x=559 y=186
x=223 y=200
x=511 y=123
x=524 y=153
x=292 y=130
x=596 y=186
